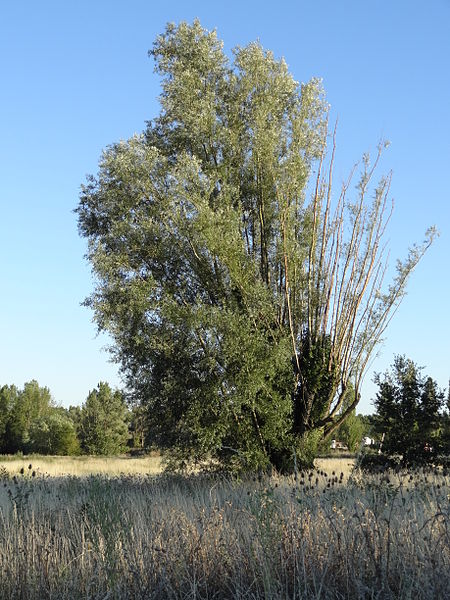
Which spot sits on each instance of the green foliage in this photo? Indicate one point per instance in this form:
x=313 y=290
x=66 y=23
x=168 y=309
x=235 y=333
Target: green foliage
x=137 y=427
x=239 y=310
x=355 y=427
x=24 y=408
x=54 y=434
x=352 y=431
x=30 y=422
x=409 y=412
x=74 y=414
x=103 y=425
x=8 y=399
x=317 y=382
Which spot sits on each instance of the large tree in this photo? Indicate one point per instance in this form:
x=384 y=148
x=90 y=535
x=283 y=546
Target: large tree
x=243 y=299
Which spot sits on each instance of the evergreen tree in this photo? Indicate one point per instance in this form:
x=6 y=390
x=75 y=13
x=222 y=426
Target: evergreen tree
x=445 y=437
x=409 y=411
x=241 y=306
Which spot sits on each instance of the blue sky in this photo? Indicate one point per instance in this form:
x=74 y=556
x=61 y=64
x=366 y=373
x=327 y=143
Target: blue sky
x=76 y=77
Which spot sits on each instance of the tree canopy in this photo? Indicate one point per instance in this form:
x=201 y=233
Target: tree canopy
x=30 y=422
x=243 y=298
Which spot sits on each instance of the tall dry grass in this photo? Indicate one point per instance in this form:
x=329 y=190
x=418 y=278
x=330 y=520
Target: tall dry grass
x=143 y=537
x=82 y=466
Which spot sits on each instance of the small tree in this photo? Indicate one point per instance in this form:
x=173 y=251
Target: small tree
x=103 y=425
x=352 y=431
x=354 y=427
x=409 y=411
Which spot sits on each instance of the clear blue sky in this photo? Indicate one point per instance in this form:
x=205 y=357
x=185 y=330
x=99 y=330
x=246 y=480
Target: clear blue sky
x=75 y=77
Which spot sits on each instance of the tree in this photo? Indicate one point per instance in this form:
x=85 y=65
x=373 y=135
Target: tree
x=30 y=422
x=54 y=434
x=74 y=414
x=445 y=437
x=137 y=427
x=103 y=425
x=243 y=299
x=8 y=398
x=353 y=429
x=27 y=406
x=409 y=411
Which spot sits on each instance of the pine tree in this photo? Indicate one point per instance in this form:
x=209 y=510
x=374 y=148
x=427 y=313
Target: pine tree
x=409 y=412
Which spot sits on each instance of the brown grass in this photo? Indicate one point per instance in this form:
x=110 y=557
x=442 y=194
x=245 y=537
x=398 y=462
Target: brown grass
x=338 y=465
x=82 y=466
x=142 y=537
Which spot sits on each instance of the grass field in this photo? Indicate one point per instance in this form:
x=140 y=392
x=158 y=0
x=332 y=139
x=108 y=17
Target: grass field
x=80 y=466
x=322 y=535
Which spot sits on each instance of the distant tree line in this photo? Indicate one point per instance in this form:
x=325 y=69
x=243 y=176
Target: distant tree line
x=30 y=421
x=411 y=422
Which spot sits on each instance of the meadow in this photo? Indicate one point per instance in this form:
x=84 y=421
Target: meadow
x=120 y=534
x=81 y=466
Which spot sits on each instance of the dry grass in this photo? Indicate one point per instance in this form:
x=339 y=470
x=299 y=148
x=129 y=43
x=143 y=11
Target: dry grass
x=82 y=466
x=338 y=465
x=144 y=537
